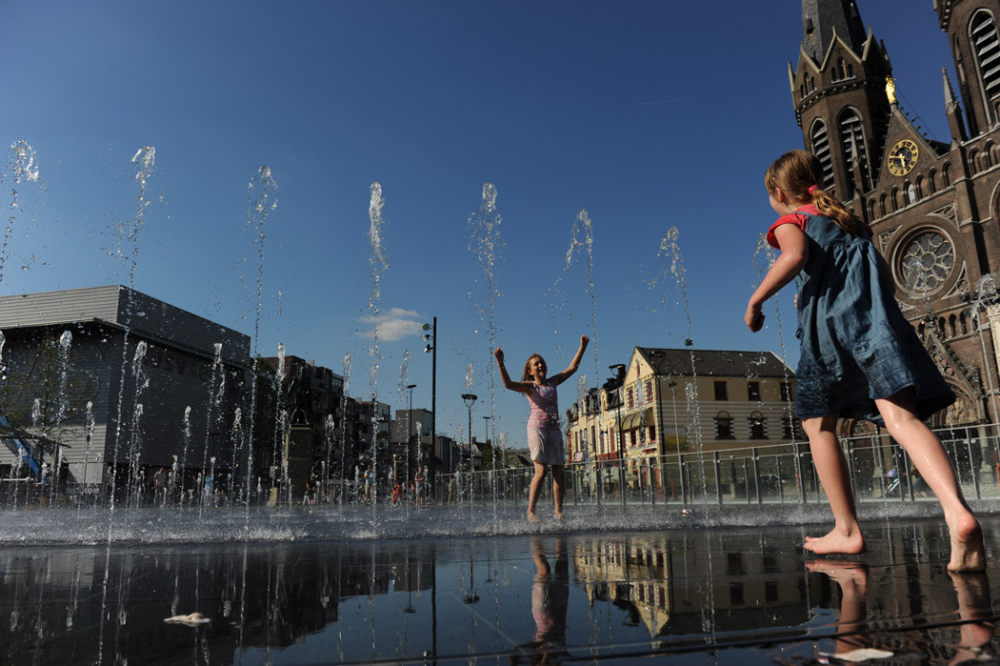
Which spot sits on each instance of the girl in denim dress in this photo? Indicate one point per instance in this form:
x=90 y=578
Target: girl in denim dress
x=860 y=358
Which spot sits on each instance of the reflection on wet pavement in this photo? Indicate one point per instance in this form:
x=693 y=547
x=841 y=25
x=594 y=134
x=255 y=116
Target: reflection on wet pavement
x=719 y=595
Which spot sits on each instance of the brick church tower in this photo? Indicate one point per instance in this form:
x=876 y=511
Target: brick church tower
x=934 y=206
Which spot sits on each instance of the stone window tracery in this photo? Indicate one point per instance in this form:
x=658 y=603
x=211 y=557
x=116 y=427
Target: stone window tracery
x=925 y=262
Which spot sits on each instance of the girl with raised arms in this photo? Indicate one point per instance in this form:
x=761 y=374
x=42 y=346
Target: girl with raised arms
x=545 y=440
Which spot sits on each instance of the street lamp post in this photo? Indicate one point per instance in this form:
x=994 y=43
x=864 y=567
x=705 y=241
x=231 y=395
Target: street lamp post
x=470 y=400
x=409 y=439
x=616 y=382
x=431 y=347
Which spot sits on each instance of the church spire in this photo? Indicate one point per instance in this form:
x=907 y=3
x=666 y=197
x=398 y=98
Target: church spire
x=822 y=19
x=953 y=110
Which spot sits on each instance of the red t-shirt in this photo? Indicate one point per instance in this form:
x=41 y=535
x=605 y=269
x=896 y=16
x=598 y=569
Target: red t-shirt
x=796 y=218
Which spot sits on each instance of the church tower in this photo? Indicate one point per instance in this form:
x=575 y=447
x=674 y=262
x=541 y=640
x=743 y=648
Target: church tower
x=933 y=205
x=839 y=93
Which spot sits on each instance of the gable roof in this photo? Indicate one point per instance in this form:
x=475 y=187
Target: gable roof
x=714 y=363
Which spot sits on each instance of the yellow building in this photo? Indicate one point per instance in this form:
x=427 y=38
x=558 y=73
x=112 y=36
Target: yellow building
x=668 y=404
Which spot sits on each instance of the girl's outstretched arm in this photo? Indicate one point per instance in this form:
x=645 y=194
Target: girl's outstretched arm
x=564 y=375
x=520 y=387
x=794 y=252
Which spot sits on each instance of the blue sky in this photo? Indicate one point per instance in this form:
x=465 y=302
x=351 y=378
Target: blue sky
x=647 y=114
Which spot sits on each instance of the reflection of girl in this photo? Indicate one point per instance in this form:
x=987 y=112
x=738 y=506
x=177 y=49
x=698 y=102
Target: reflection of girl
x=550 y=595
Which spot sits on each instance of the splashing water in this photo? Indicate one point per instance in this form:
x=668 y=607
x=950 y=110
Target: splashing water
x=23 y=168
x=216 y=390
x=343 y=427
x=670 y=251
x=144 y=161
x=763 y=258
x=262 y=200
x=404 y=374
x=379 y=265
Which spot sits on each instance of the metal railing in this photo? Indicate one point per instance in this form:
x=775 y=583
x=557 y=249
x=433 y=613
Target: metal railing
x=781 y=473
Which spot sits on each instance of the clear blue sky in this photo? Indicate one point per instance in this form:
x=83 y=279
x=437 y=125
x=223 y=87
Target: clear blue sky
x=648 y=114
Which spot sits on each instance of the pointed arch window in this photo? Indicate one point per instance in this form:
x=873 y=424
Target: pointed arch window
x=820 y=140
x=852 y=140
x=983 y=35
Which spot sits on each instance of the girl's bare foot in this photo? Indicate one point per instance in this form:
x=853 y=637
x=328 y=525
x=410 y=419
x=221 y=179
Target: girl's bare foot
x=559 y=515
x=968 y=553
x=533 y=518
x=837 y=541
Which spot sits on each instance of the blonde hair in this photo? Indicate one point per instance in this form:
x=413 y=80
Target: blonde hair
x=798 y=174
x=525 y=374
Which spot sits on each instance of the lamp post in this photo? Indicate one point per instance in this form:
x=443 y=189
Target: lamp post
x=616 y=383
x=677 y=440
x=431 y=348
x=409 y=438
x=470 y=400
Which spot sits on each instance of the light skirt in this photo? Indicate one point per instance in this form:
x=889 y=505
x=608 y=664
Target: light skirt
x=546 y=446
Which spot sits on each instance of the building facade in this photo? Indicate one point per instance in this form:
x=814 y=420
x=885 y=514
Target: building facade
x=933 y=205
x=666 y=404
x=107 y=382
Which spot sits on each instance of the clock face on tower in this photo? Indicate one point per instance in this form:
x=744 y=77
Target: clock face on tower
x=902 y=157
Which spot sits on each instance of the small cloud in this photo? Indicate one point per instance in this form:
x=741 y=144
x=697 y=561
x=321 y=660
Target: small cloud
x=394 y=324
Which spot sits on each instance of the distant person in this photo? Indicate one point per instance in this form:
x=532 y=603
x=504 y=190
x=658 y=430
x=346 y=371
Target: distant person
x=160 y=486
x=859 y=356
x=417 y=486
x=545 y=440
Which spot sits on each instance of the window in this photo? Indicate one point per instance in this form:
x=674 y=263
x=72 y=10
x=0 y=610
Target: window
x=652 y=433
x=631 y=399
x=753 y=391
x=734 y=564
x=983 y=37
x=723 y=426
x=821 y=149
x=720 y=391
x=786 y=391
x=770 y=591
x=649 y=391
x=736 y=594
x=852 y=141
x=791 y=428
x=757 y=430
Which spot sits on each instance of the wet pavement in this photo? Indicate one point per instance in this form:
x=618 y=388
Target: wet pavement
x=691 y=595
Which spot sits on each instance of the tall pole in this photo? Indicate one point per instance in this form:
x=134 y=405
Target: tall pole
x=409 y=441
x=619 y=380
x=470 y=400
x=431 y=339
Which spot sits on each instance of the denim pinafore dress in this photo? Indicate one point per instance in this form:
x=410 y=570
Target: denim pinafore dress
x=856 y=345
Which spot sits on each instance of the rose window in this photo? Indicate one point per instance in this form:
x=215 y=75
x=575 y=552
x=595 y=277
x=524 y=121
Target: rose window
x=926 y=262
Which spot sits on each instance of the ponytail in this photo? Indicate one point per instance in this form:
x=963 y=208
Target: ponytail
x=798 y=173
x=842 y=216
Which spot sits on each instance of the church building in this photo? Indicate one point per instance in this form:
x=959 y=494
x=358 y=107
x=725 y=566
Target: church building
x=934 y=206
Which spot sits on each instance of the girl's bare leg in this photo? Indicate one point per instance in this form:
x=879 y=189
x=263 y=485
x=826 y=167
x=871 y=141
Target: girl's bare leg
x=534 y=489
x=930 y=459
x=831 y=465
x=558 y=476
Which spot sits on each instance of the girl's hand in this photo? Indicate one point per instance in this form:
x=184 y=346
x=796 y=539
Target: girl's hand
x=499 y=354
x=754 y=317
x=583 y=341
